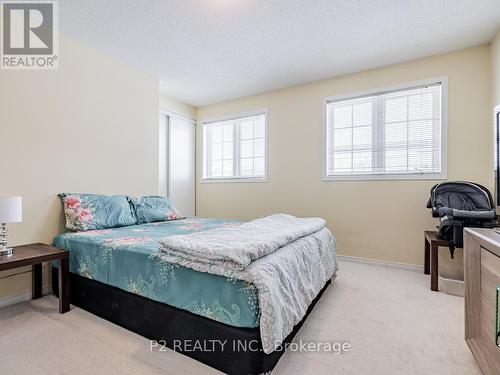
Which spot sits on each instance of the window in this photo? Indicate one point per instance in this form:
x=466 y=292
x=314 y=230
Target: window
x=396 y=133
x=235 y=148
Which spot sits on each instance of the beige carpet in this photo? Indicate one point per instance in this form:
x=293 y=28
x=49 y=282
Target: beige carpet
x=393 y=322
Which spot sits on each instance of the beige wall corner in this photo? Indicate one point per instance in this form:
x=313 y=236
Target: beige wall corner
x=381 y=220
x=495 y=68
x=176 y=106
x=91 y=126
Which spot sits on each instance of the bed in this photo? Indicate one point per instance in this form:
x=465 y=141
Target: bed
x=116 y=274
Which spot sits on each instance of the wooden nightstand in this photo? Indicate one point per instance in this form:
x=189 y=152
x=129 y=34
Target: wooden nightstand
x=432 y=243
x=33 y=255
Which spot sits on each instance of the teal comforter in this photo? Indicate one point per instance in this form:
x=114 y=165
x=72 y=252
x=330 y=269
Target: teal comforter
x=125 y=258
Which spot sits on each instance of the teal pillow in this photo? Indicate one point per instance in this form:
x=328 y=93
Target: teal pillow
x=96 y=211
x=153 y=208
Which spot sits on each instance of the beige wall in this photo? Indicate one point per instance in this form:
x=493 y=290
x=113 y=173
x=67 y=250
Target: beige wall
x=171 y=104
x=495 y=65
x=373 y=219
x=91 y=126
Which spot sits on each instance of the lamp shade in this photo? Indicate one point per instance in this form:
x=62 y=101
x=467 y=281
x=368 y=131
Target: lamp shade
x=11 y=209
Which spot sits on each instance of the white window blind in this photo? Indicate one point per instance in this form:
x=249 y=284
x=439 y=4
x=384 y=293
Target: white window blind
x=235 y=148
x=388 y=133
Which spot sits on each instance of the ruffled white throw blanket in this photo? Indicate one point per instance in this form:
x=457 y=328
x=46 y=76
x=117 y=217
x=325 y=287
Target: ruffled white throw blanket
x=288 y=259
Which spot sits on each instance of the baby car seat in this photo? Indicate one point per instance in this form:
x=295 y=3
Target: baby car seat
x=460 y=204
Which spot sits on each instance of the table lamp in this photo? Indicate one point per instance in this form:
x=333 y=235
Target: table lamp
x=11 y=211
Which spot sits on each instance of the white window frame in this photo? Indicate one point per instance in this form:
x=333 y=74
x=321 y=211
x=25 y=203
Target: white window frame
x=235 y=116
x=443 y=80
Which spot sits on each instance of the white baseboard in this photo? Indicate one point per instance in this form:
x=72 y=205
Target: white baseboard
x=385 y=263
x=21 y=297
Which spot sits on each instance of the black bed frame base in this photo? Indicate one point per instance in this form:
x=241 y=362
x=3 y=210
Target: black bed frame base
x=167 y=325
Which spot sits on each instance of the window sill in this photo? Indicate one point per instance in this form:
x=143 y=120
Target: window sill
x=387 y=177
x=233 y=180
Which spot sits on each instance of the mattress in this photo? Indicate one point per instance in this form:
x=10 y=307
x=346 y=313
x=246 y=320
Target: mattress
x=125 y=258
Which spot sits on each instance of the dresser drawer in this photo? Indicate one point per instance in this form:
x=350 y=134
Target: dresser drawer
x=490 y=279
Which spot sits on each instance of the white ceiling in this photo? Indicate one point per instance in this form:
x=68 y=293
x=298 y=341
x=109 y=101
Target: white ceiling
x=206 y=51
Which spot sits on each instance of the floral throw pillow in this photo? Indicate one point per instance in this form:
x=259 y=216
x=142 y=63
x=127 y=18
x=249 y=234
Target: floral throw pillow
x=153 y=208
x=95 y=211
